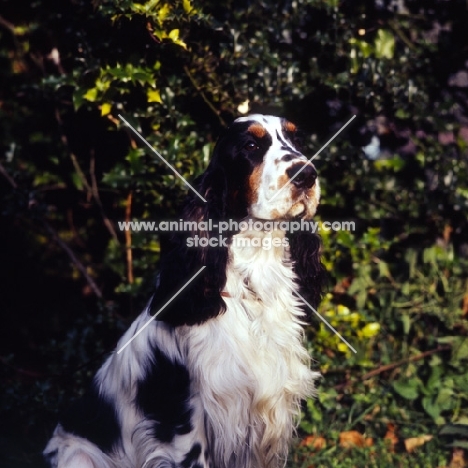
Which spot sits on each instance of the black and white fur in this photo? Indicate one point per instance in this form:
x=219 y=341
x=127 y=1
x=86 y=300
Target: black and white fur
x=217 y=378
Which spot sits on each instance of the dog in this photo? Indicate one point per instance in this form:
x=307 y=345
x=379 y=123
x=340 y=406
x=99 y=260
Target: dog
x=213 y=372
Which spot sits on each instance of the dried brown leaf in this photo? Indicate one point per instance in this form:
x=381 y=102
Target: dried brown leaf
x=415 y=442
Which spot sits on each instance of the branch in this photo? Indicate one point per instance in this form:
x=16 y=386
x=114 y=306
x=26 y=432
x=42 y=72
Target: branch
x=203 y=95
x=128 y=239
x=97 y=198
x=60 y=242
x=401 y=35
x=7 y=25
x=92 y=189
x=7 y=176
x=394 y=365
x=73 y=258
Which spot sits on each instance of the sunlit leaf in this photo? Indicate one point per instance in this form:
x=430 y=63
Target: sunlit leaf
x=106 y=108
x=370 y=330
x=91 y=94
x=384 y=44
x=153 y=95
x=408 y=389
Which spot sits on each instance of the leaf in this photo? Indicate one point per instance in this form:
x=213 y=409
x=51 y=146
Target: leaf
x=314 y=442
x=370 y=330
x=91 y=94
x=78 y=98
x=460 y=444
x=455 y=429
x=364 y=47
x=407 y=389
x=153 y=95
x=164 y=12
x=384 y=271
x=445 y=397
x=174 y=37
x=415 y=442
x=77 y=181
x=384 y=44
x=434 y=381
x=390 y=437
x=431 y=407
x=315 y=413
x=406 y=322
x=459 y=347
x=402 y=113
x=458 y=455
x=105 y=108
x=354 y=439
x=188 y=7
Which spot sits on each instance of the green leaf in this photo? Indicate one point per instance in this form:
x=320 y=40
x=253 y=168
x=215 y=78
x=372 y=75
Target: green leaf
x=370 y=330
x=459 y=443
x=91 y=94
x=455 y=429
x=174 y=36
x=406 y=322
x=445 y=397
x=402 y=113
x=459 y=348
x=365 y=48
x=408 y=389
x=78 y=98
x=188 y=7
x=384 y=44
x=434 y=381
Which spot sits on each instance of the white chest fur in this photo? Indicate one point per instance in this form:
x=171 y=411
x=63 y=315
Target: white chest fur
x=251 y=368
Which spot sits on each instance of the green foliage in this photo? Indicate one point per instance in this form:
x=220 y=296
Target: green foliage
x=178 y=72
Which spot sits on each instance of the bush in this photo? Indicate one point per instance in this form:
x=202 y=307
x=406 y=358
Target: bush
x=179 y=72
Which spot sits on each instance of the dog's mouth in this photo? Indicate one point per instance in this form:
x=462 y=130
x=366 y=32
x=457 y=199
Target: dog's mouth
x=298 y=210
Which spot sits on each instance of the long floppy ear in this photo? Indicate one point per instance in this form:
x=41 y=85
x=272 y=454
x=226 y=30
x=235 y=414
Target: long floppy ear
x=189 y=251
x=305 y=253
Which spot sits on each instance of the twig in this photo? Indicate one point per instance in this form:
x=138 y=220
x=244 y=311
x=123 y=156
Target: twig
x=60 y=242
x=97 y=198
x=80 y=172
x=19 y=370
x=203 y=95
x=394 y=365
x=92 y=189
x=73 y=258
x=401 y=35
x=128 y=239
x=7 y=25
x=7 y=176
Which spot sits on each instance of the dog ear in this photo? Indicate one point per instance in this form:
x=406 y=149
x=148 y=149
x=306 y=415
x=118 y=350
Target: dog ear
x=305 y=253
x=190 y=251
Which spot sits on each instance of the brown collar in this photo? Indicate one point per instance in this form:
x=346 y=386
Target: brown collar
x=225 y=294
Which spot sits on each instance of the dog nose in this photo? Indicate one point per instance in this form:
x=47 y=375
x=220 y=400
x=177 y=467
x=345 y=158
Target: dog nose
x=303 y=175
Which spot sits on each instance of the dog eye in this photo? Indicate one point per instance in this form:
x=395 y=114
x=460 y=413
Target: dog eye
x=251 y=146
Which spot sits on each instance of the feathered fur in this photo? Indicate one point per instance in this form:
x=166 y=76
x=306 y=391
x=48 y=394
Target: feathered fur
x=217 y=379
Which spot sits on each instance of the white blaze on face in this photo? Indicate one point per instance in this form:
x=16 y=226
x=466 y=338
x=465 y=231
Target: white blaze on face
x=270 y=177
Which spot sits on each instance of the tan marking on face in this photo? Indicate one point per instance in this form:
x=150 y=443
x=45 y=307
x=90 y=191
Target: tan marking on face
x=289 y=127
x=257 y=130
x=275 y=214
x=255 y=181
x=282 y=180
